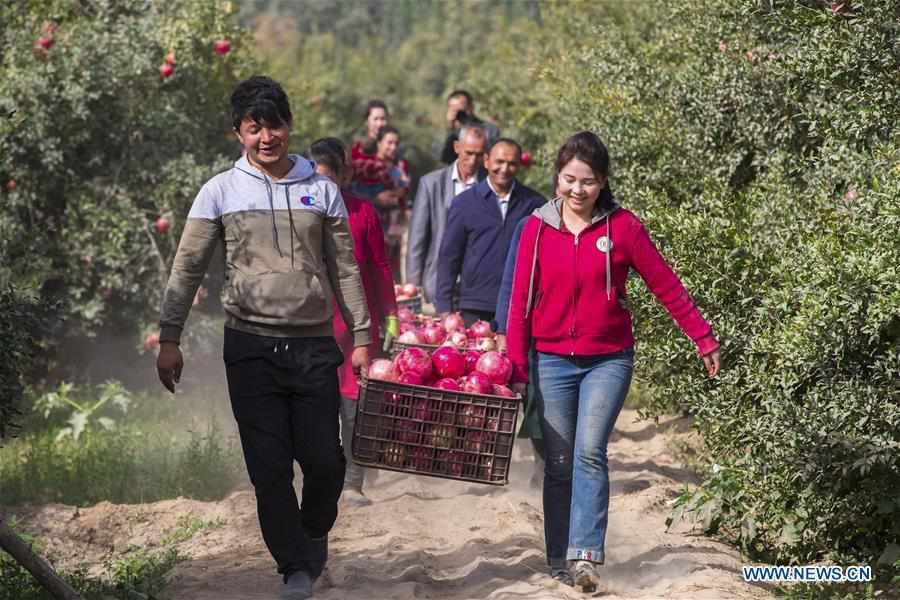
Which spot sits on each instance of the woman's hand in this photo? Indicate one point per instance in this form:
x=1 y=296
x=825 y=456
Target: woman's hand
x=713 y=362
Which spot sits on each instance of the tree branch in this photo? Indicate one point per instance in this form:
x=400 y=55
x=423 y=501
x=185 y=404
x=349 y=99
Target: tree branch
x=34 y=564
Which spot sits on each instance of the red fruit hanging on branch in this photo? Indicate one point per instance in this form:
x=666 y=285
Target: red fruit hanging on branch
x=163 y=224
x=166 y=70
x=222 y=46
x=151 y=340
x=11 y=185
x=170 y=59
x=45 y=42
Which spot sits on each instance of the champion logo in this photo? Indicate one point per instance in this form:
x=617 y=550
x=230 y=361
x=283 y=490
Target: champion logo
x=307 y=200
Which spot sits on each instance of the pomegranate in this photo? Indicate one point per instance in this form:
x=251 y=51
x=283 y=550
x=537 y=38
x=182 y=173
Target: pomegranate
x=481 y=329
x=496 y=366
x=415 y=360
x=478 y=383
x=422 y=410
x=420 y=459
x=408 y=432
x=383 y=369
x=471 y=416
x=447 y=384
x=441 y=436
x=393 y=454
x=410 y=337
x=453 y=460
x=502 y=390
x=409 y=289
x=472 y=357
x=411 y=377
x=454 y=322
x=405 y=315
x=433 y=334
x=479 y=441
x=405 y=326
x=458 y=339
x=486 y=344
x=151 y=340
x=448 y=362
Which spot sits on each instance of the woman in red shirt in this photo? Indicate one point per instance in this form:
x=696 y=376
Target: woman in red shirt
x=375 y=271
x=568 y=300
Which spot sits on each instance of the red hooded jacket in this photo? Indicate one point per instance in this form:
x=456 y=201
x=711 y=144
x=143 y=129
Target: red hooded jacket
x=568 y=294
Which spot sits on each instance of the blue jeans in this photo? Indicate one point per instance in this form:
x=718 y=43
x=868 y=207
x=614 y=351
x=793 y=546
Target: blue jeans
x=581 y=397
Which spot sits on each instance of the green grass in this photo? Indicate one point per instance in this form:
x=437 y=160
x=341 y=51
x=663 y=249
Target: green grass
x=132 y=463
x=137 y=574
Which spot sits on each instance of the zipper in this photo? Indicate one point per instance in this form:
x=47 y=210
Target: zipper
x=575 y=293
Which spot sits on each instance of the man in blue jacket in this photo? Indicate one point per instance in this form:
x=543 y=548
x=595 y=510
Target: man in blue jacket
x=477 y=237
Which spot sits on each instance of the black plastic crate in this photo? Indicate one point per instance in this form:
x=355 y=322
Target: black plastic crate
x=434 y=432
x=414 y=304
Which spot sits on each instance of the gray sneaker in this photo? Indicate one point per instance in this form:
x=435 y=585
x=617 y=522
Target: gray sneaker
x=585 y=574
x=354 y=498
x=297 y=587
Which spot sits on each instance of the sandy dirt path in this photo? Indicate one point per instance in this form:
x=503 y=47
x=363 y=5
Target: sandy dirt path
x=432 y=538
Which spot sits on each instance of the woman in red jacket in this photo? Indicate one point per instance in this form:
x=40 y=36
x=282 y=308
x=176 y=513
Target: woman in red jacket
x=568 y=300
x=375 y=270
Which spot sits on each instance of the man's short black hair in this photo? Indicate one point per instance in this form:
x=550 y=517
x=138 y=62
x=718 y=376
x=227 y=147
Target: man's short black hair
x=508 y=142
x=263 y=100
x=461 y=93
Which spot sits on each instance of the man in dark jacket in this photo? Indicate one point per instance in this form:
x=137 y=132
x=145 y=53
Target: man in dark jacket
x=479 y=230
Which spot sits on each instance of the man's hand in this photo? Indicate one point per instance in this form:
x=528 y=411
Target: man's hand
x=169 y=364
x=519 y=388
x=360 y=359
x=713 y=362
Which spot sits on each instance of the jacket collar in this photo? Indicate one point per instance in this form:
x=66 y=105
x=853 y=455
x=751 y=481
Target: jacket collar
x=551 y=212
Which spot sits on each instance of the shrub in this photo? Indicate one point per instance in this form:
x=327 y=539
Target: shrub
x=759 y=143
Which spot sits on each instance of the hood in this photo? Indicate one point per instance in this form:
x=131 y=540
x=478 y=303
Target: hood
x=303 y=169
x=551 y=212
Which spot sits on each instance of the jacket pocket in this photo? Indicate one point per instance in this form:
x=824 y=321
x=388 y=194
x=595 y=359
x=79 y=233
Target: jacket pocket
x=296 y=298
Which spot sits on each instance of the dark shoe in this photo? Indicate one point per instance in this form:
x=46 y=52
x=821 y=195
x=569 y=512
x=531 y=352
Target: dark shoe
x=562 y=576
x=297 y=587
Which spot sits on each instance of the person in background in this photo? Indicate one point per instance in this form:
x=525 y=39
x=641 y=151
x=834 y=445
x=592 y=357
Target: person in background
x=288 y=253
x=461 y=113
x=435 y=193
x=531 y=427
x=568 y=300
x=479 y=230
x=368 y=248
x=376 y=116
x=387 y=188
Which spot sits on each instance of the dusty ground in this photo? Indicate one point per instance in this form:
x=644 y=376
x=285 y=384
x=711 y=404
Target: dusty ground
x=430 y=538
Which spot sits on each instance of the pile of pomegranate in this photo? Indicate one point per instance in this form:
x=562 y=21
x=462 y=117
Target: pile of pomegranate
x=450 y=331
x=448 y=368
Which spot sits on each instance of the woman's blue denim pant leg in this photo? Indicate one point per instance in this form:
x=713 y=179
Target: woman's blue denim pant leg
x=581 y=397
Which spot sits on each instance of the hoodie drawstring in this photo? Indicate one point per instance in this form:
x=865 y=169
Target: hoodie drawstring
x=287 y=199
x=608 y=260
x=272 y=209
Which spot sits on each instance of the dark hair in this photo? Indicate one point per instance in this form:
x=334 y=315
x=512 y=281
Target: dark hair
x=461 y=93
x=375 y=103
x=329 y=152
x=263 y=100
x=587 y=147
x=386 y=130
x=508 y=141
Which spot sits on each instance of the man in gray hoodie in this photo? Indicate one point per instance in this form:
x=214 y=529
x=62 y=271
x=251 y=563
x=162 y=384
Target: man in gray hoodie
x=288 y=253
